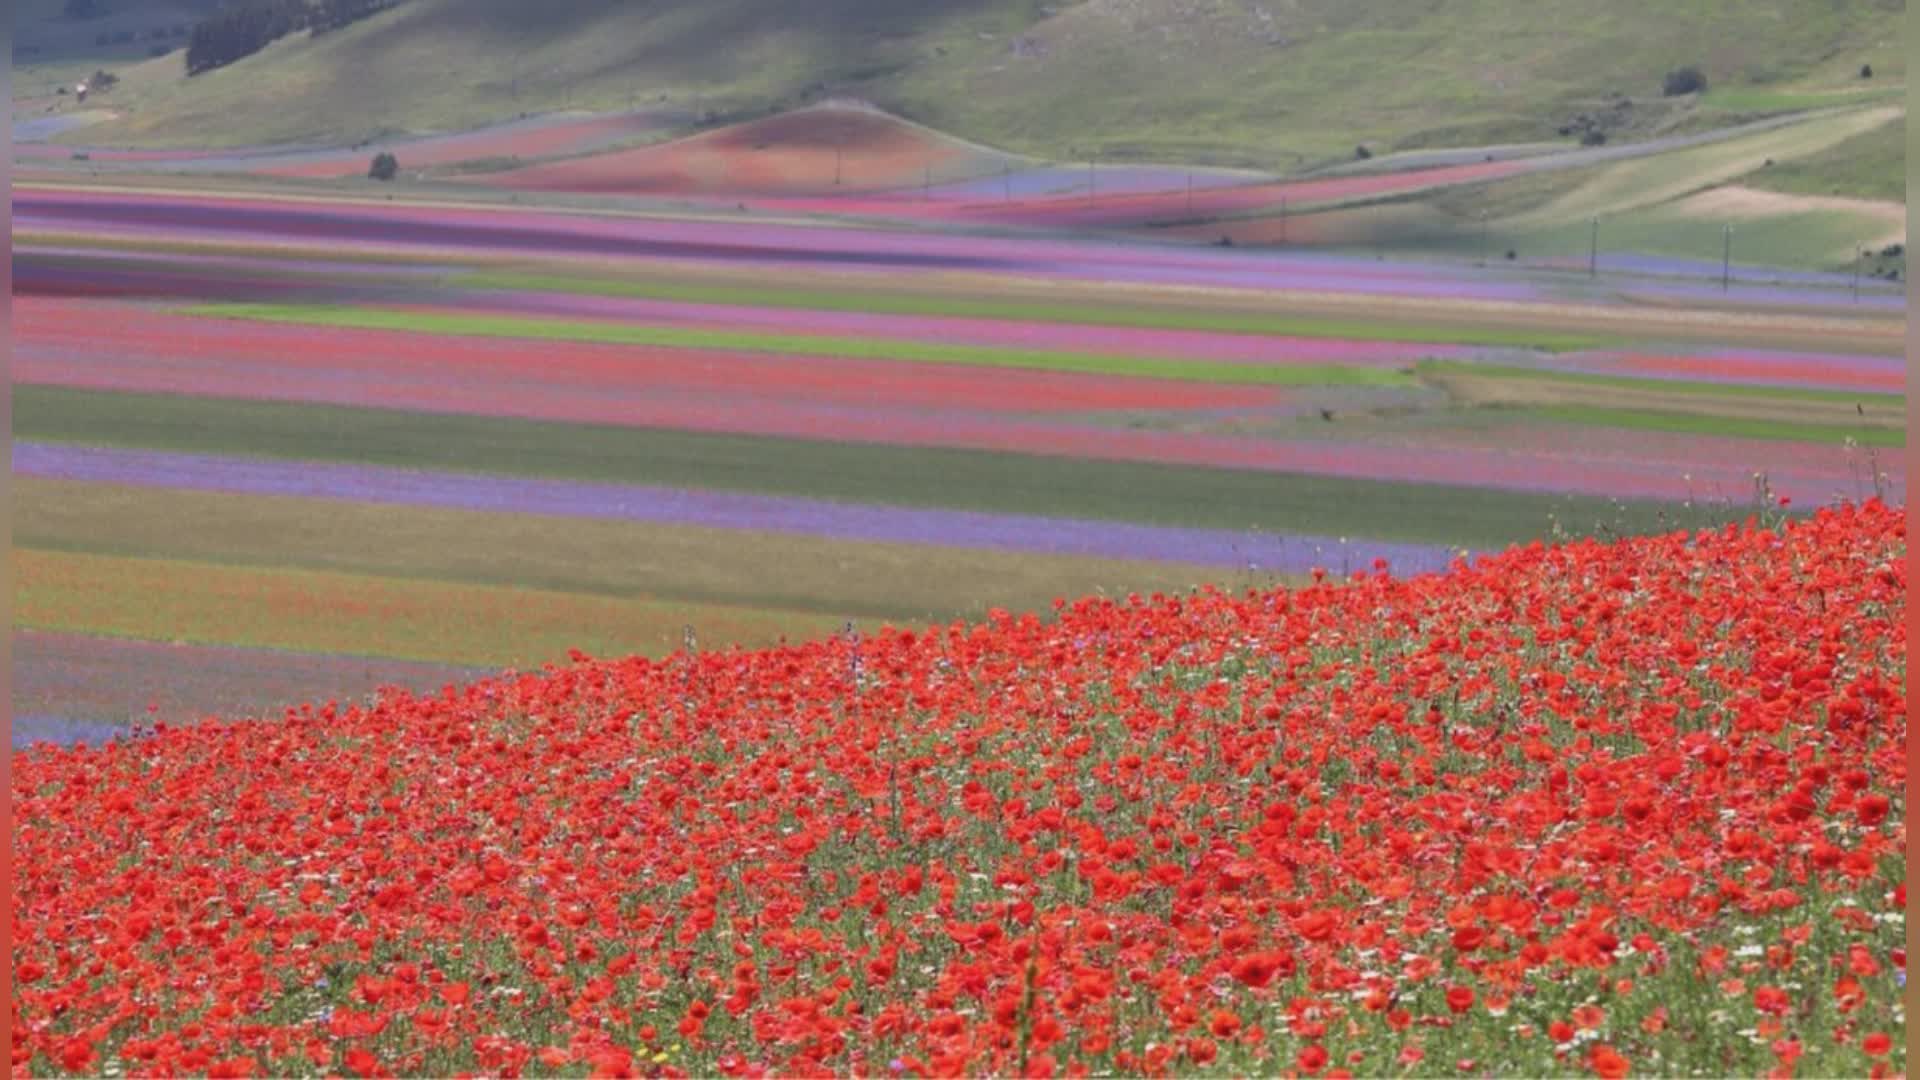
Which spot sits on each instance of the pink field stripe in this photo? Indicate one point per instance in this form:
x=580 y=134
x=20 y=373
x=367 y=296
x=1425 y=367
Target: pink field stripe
x=106 y=342
x=1556 y=462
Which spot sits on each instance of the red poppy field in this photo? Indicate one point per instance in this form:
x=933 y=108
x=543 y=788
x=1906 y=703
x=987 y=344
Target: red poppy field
x=1599 y=808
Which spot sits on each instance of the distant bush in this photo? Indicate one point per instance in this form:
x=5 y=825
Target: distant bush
x=385 y=166
x=83 y=9
x=1866 y=71
x=1593 y=137
x=1362 y=153
x=1685 y=80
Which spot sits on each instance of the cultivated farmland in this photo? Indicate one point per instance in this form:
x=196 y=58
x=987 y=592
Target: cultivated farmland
x=712 y=589
x=621 y=419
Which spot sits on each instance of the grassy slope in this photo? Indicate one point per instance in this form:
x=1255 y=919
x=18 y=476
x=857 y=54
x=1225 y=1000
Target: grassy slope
x=1663 y=203
x=1276 y=85
x=1870 y=165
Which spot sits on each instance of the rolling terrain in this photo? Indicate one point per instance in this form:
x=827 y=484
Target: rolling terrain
x=1275 y=85
x=475 y=434
x=960 y=537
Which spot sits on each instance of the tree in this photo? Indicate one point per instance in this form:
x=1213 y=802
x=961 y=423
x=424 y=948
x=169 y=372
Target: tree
x=385 y=166
x=236 y=32
x=1684 y=80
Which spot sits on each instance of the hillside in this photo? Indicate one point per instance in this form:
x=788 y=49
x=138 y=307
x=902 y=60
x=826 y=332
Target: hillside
x=1279 y=84
x=1367 y=825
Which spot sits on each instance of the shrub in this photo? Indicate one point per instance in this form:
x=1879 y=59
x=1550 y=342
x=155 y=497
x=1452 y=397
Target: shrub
x=1593 y=137
x=385 y=166
x=83 y=9
x=1866 y=71
x=1362 y=153
x=1684 y=80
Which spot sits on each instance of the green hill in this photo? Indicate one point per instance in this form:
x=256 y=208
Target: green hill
x=1281 y=84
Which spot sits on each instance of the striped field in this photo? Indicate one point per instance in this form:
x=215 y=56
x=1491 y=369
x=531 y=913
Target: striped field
x=316 y=434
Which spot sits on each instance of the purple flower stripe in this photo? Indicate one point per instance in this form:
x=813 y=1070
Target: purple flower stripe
x=727 y=510
x=1839 y=298
x=479 y=231
x=34 y=729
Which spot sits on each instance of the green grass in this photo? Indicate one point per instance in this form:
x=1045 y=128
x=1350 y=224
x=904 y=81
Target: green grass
x=1643 y=182
x=1760 y=99
x=1297 y=86
x=1665 y=203
x=362 y=615
x=1871 y=165
x=1734 y=427
x=1479 y=518
x=731 y=568
x=529 y=328
x=1817 y=238
x=1143 y=316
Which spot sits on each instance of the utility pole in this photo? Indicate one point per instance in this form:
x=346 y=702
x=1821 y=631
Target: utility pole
x=1726 y=260
x=1593 y=251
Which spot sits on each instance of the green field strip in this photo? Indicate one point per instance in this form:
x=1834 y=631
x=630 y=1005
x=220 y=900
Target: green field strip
x=688 y=564
x=1681 y=387
x=1743 y=99
x=531 y=328
x=363 y=615
x=1143 y=316
x=986 y=480
x=1729 y=426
